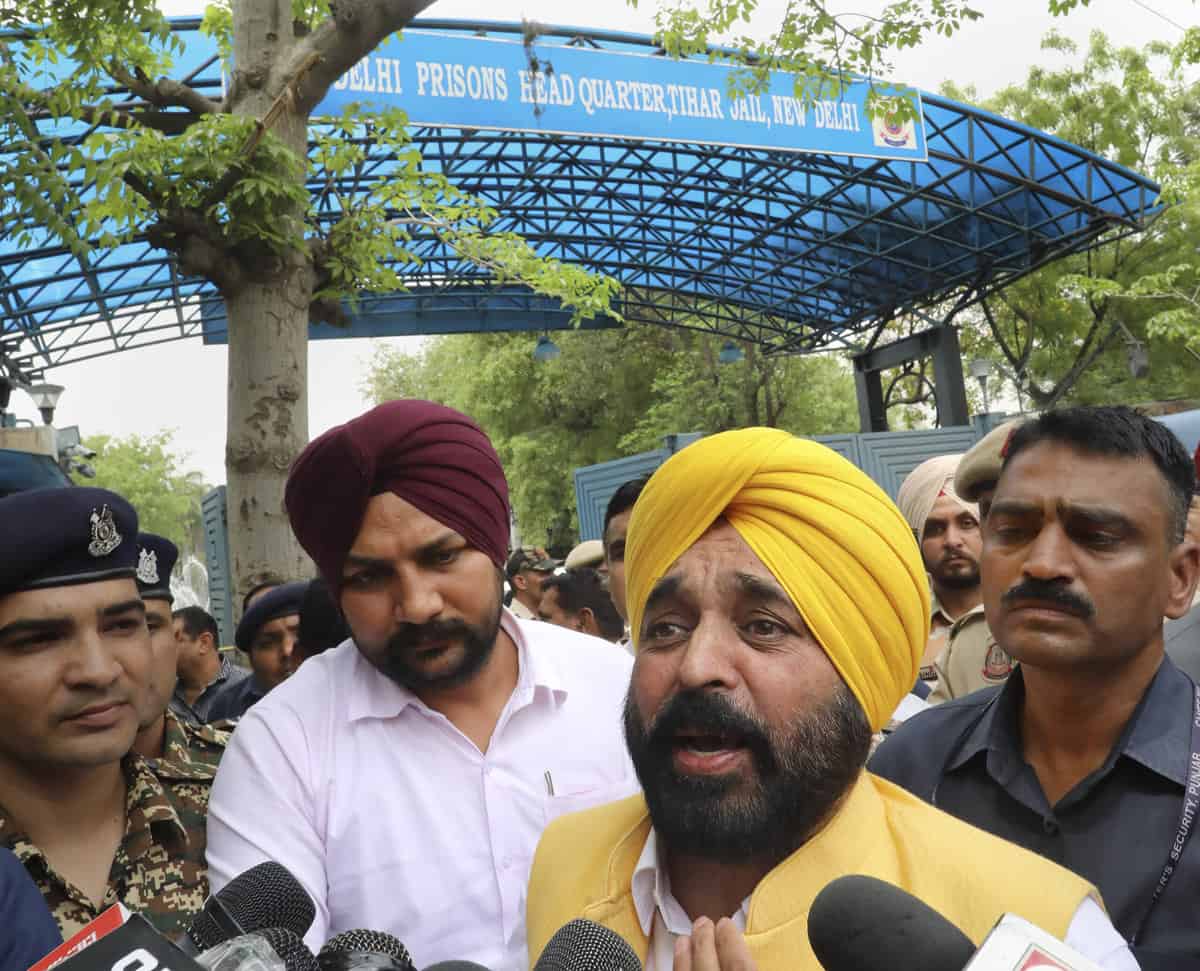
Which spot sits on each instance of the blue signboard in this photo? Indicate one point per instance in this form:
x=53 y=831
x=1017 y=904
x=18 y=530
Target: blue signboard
x=488 y=83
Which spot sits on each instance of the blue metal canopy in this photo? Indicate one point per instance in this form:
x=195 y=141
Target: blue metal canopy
x=798 y=250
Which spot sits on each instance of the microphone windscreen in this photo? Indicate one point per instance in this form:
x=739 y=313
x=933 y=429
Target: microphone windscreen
x=290 y=947
x=363 y=950
x=859 y=923
x=456 y=966
x=584 y=945
x=264 y=896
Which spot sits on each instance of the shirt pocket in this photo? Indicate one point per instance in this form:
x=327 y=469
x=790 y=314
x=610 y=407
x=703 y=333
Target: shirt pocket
x=575 y=793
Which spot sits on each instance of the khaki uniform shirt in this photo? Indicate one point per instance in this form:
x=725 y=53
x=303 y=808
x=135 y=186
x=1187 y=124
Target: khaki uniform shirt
x=518 y=609
x=940 y=623
x=159 y=869
x=971 y=659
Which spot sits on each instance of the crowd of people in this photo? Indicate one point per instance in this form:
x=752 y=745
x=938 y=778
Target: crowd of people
x=765 y=676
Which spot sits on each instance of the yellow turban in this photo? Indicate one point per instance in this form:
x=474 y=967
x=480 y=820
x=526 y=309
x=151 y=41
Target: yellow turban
x=830 y=536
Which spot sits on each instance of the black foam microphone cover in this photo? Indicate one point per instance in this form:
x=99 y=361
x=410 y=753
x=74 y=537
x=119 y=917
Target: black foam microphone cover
x=584 y=945
x=264 y=896
x=363 y=950
x=859 y=923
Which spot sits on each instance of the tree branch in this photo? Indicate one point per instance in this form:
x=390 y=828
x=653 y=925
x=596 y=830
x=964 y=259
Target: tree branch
x=356 y=28
x=165 y=92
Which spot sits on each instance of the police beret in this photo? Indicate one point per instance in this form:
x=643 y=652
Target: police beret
x=62 y=536
x=280 y=602
x=979 y=468
x=156 y=560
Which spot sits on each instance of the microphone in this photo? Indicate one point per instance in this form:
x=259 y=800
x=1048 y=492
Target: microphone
x=271 y=949
x=859 y=923
x=264 y=896
x=362 y=950
x=456 y=966
x=584 y=945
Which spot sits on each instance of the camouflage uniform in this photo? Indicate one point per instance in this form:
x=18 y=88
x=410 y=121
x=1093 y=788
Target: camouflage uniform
x=971 y=659
x=159 y=869
x=190 y=752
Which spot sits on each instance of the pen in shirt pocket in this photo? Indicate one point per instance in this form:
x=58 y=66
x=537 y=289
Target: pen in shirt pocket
x=549 y=783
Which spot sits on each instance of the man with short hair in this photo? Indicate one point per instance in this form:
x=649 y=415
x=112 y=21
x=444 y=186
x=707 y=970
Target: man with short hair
x=203 y=669
x=780 y=610
x=526 y=570
x=405 y=776
x=947 y=531
x=180 y=755
x=87 y=817
x=616 y=524
x=1089 y=753
x=578 y=600
x=268 y=633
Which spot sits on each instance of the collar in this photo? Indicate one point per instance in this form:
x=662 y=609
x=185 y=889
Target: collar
x=224 y=672
x=651 y=887
x=1157 y=737
x=375 y=695
x=847 y=844
x=150 y=816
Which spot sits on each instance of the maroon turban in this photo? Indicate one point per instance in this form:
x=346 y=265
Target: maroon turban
x=432 y=456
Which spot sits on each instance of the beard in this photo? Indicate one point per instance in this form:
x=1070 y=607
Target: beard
x=798 y=775
x=477 y=641
x=959 y=573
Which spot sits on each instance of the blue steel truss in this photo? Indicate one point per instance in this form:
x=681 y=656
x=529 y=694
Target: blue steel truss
x=798 y=252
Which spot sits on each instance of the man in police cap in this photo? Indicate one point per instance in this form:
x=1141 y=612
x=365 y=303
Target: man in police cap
x=180 y=754
x=89 y=820
x=269 y=633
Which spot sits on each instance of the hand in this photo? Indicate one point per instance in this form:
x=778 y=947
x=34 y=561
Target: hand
x=709 y=948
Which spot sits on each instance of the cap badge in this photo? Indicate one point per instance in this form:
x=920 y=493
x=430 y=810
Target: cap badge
x=105 y=537
x=147 y=568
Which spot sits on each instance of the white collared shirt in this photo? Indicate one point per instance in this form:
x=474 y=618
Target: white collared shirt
x=393 y=820
x=663 y=920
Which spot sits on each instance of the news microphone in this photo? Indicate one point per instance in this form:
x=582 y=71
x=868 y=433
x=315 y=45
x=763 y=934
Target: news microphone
x=362 y=950
x=456 y=966
x=134 y=946
x=264 y=896
x=270 y=949
x=859 y=923
x=584 y=945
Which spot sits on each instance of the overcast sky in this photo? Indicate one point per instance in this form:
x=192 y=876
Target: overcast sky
x=182 y=385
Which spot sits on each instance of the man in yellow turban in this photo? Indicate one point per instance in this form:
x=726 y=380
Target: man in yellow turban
x=779 y=608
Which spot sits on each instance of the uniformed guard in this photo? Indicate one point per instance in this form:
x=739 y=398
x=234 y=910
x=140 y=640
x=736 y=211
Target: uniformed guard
x=88 y=818
x=180 y=754
x=972 y=659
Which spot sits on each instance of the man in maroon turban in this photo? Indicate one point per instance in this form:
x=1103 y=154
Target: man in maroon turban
x=406 y=775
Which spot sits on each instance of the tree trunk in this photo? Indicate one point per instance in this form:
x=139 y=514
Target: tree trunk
x=268 y=334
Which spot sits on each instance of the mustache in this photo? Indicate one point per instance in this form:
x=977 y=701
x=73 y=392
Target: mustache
x=708 y=713
x=1050 y=592
x=412 y=636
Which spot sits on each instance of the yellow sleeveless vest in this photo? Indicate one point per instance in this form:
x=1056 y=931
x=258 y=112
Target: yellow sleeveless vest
x=585 y=861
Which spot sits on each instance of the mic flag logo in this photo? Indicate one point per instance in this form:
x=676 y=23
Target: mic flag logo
x=1038 y=960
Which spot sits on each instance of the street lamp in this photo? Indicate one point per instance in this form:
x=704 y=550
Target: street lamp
x=45 y=396
x=546 y=349
x=981 y=370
